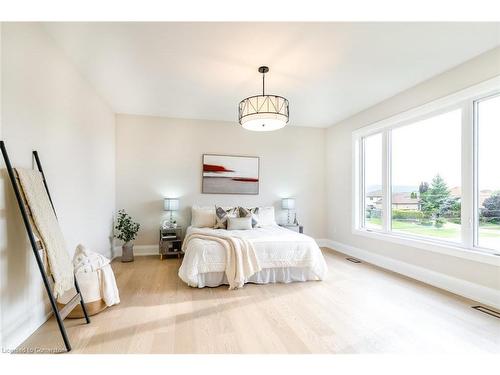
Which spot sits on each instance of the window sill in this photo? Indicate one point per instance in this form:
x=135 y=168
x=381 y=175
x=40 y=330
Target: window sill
x=434 y=246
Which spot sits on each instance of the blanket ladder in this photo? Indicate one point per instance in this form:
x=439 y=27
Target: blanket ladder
x=63 y=312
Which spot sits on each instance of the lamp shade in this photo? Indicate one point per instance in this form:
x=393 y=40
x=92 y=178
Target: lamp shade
x=288 y=203
x=263 y=113
x=170 y=204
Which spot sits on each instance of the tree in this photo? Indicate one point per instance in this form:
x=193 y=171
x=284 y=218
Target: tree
x=435 y=200
x=424 y=186
x=492 y=207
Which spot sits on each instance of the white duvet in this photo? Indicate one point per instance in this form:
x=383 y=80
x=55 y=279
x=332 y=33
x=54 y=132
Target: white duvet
x=275 y=247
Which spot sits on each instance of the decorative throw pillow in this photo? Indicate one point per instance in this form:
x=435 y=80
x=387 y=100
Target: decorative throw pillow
x=266 y=216
x=221 y=216
x=250 y=212
x=239 y=223
x=202 y=217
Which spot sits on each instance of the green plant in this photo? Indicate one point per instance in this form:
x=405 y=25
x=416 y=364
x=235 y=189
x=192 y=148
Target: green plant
x=491 y=210
x=426 y=222
x=454 y=220
x=412 y=215
x=439 y=222
x=126 y=229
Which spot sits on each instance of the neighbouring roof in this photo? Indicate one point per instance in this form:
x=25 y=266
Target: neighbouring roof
x=403 y=198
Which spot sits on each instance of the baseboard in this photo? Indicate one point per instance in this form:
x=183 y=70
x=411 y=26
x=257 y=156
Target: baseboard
x=322 y=242
x=139 y=250
x=14 y=336
x=476 y=292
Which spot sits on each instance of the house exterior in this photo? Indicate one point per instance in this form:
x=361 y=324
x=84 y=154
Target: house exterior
x=400 y=201
x=404 y=201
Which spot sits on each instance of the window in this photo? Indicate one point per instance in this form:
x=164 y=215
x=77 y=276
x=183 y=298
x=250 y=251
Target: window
x=488 y=172
x=426 y=177
x=372 y=155
x=430 y=177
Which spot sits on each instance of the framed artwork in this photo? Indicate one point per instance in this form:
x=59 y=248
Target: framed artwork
x=228 y=174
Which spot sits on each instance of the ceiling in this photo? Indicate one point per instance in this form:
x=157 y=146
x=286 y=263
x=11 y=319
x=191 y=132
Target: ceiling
x=328 y=71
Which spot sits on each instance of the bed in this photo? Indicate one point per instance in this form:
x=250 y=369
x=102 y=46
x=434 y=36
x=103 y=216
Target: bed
x=284 y=256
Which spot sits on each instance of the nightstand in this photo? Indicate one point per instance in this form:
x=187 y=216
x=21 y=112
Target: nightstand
x=171 y=242
x=294 y=227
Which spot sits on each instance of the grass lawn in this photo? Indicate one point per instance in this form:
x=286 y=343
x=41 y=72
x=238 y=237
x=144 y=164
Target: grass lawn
x=489 y=230
x=489 y=234
x=448 y=231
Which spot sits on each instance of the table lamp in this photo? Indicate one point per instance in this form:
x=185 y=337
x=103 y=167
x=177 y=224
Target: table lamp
x=288 y=204
x=171 y=205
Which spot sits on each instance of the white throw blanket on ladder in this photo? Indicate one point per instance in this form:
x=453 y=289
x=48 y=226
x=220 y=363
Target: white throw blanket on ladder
x=46 y=223
x=241 y=260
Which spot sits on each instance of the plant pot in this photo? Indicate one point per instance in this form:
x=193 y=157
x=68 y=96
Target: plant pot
x=128 y=252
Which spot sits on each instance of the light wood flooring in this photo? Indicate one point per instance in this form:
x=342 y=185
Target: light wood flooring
x=358 y=308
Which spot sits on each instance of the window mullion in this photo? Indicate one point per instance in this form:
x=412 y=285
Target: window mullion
x=362 y=180
x=468 y=175
x=386 y=181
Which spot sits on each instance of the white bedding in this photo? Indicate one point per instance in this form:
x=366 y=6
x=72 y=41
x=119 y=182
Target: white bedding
x=277 y=249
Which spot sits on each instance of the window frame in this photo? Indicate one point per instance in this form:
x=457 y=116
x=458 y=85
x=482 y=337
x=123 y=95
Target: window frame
x=475 y=203
x=467 y=101
x=362 y=207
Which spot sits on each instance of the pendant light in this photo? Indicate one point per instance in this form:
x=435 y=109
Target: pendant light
x=263 y=112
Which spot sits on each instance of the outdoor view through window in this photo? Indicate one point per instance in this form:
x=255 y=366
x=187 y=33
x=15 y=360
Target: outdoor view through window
x=426 y=166
x=426 y=177
x=488 y=128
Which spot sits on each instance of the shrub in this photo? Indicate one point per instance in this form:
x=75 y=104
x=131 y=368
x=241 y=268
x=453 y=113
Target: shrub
x=489 y=220
x=407 y=215
x=373 y=213
x=439 y=222
x=455 y=220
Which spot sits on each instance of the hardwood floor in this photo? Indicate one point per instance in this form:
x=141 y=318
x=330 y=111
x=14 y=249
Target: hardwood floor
x=359 y=308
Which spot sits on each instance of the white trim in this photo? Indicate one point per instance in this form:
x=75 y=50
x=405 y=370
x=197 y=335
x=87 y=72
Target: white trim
x=443 y=247
x=467 y=172
x=476 y=292
x=322 y=242
x=475 y=163
x=357 y=200
x=37 y=316
x=139 y=250
x=471 y=92
x=386 y=182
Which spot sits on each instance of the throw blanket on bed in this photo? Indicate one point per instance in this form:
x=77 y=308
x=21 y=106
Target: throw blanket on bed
x=47 y=226
x=241 y=260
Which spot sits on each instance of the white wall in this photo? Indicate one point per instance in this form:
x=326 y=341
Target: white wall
x=48 y=106
x=339 y=175
x=161 y=157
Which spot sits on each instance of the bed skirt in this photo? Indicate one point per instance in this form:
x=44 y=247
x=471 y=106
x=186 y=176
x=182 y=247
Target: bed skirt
x=265 y=276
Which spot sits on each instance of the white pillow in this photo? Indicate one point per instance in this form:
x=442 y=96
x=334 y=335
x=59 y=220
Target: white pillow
x=239 y=223
x=202 y=217
x=266 y=216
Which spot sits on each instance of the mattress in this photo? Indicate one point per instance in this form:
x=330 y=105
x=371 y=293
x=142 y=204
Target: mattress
x=283 y=255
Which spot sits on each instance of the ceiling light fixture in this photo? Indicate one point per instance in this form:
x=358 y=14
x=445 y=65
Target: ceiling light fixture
x=263 y=112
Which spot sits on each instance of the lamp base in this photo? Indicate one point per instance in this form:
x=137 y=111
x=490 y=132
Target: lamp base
x=168 y=224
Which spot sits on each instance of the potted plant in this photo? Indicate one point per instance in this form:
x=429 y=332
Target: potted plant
x=126 y=230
